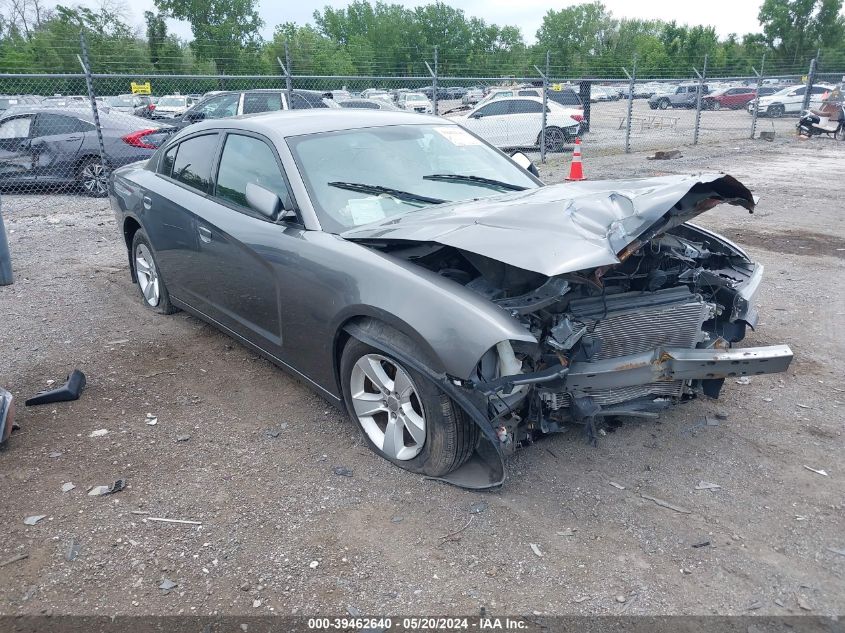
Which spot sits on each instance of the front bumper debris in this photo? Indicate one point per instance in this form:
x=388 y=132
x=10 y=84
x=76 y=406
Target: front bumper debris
x=676 y=363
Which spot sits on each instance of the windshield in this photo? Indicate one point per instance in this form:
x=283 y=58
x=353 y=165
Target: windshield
x=399 y=158
x=172 y=101
x=119 y=102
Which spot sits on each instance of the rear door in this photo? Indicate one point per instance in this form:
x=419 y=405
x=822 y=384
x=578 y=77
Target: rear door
x=56 y=140
x=240 y=249
x=16 y=162
x=170 y=212
x=525 y=120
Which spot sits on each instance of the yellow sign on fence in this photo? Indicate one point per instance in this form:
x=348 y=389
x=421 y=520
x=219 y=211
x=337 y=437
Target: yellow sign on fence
x=141 y=89
x=557 y=87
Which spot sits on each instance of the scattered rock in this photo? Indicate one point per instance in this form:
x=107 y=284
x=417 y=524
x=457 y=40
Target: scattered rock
x=343 y=471
x=754 y=605
x=54 y=455
x=817 y=471
x=256 y=604
x=566 y=532
x=98 y=433
x=354 y=611
x=743 y=380
x=67 y=487
x=478 y=507
x=803 y=604
x=620 y=598
x=666 y=504
x=99 y=491
x=581 y=599
x=314 y=564
x=396 y=519
x=536 y=550
x=665 y=155
x=73 y=549
x=167 y=585
x=246 y=586
x=616 y=485
x=702 y=544
x=183 y=438
x=32 y=520
x=706 y=485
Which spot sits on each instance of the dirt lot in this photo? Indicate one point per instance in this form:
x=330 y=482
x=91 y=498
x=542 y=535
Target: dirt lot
x=281 y=532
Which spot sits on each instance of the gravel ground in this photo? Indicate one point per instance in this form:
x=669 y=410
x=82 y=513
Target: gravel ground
x=249 y=452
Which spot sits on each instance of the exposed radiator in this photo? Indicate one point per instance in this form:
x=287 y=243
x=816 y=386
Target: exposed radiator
x=637 y=322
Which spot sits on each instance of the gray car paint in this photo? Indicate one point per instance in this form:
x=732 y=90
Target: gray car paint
x=558 y=228
x=312 y=282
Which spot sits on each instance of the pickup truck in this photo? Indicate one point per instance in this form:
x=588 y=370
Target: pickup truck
x=684 y=96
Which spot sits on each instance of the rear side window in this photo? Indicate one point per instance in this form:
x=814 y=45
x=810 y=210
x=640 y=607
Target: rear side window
x=566 y=97
x=194 y=158
x=525 y=107
x=493 y=109
x=262 y=102
x=56 y=124
x=246 y=159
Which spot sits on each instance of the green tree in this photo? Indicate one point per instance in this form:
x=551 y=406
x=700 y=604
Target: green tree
x=795 y=29
x=225 y=31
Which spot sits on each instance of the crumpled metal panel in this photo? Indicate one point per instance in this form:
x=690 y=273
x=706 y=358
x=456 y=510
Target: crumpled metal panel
x=562 y=228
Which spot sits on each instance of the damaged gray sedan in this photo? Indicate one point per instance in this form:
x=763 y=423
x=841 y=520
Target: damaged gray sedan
x=454 y=305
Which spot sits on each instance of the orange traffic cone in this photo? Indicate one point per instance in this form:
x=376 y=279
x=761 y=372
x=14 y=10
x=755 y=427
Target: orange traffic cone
x=576 y=171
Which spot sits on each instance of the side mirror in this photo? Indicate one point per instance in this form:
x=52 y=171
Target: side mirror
x=523 y=161
x=264 y=201
x=476 y=115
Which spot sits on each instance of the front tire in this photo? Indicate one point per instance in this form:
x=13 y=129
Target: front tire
x=153 y=291
x=776 y=111
x=663 y=104
x=556 y=139
x=404 y=417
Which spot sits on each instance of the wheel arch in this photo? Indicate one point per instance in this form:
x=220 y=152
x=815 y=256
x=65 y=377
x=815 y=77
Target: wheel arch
x=130 y=227
x=375 y=322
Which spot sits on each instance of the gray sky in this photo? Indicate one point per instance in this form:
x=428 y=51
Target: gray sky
x=728 y=16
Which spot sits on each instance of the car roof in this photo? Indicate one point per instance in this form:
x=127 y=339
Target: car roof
x=281 y=124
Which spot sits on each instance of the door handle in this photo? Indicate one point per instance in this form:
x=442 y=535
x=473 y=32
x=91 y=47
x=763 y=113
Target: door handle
x=147 y=202
x=205 y=234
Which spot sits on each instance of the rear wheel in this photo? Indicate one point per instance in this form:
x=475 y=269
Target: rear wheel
x=839 y=135
x=663 y=104
x=93 y=177
x=153 y=291
x=776 y=111
x=715 y=105
x=404 y=417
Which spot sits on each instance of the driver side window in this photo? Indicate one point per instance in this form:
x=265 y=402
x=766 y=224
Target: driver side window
x=220 y=107
x=245 y=160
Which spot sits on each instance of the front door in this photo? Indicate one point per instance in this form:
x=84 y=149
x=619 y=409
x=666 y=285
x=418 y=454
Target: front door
x=490 y=122
x=241 y=250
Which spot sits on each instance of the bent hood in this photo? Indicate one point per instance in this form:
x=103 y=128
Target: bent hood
x=563 y=228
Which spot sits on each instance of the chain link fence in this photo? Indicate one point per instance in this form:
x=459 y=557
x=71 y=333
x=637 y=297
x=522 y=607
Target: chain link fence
x=68 y=130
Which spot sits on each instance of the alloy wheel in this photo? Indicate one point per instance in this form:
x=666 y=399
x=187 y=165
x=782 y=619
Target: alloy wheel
x=94 y=179
x=145 y=271
x=388 y=407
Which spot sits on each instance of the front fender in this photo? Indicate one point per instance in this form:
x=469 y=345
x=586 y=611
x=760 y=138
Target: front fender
x=456 y=325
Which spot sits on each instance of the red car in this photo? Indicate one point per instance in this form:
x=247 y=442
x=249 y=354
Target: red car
x=730 y=98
